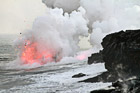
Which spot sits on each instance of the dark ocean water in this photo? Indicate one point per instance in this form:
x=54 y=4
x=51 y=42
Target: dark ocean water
x=7 y=50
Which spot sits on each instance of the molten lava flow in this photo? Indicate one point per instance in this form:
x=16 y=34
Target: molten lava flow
x=30 y=54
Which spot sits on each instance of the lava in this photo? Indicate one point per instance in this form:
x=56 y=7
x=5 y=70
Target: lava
x=31 y=54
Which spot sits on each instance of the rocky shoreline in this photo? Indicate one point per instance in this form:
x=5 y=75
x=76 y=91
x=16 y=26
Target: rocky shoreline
x=120 y=54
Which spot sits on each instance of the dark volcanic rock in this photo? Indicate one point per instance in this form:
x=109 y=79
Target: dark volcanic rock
x=126 y=86
x=78 y=75
x=121 y=53
x=103 y=91
x=104 y=77
x=95 y=58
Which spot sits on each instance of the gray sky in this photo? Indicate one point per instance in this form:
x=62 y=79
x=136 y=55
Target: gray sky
x=18 y=15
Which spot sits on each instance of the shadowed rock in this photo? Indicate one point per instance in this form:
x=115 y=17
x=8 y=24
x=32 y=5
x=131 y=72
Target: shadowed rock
x=95 y=58
x=121 y=53
x=78 y=75
x=104 y=91
x=103 y=77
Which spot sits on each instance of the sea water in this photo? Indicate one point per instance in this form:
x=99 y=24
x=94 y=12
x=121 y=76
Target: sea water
x=50 y=78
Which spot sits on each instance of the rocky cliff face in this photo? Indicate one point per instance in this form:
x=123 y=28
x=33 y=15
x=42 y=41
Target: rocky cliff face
x=121 y=53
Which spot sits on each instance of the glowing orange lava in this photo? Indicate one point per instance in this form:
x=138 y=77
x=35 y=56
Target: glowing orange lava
x=30 y=54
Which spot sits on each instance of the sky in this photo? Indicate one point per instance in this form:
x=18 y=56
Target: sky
x=18 y=15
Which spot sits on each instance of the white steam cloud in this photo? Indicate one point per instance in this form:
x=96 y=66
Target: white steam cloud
x=66 y=5
x=105 y=16
x=61 y=32
x=58 y=31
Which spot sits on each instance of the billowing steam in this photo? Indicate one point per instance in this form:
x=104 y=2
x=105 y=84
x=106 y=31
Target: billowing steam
x=56 y=34
x=105 y=16
x=66 y=5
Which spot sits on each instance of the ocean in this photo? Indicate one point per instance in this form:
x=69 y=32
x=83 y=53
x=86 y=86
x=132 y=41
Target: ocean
x=50 y=78
x=7 y=50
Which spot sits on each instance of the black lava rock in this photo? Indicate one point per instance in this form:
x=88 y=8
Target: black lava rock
x=104 y=91
x=95 y=58
x=131 y=85
x=128 y=86
x=78 y=75
x=121 y=53
x=103 y=77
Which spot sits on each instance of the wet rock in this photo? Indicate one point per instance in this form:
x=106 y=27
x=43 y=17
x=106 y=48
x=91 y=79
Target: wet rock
x=78 y=75
x=95 y=58
x=131 y=85
x=103 y=77
x=104 y=91
x=121 y=53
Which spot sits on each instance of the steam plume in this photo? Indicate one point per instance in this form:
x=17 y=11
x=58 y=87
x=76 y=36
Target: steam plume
x=105 y=16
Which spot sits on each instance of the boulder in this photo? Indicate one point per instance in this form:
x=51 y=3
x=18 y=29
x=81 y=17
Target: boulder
x=103 y=77
x=78 y=75
x=95 y=58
